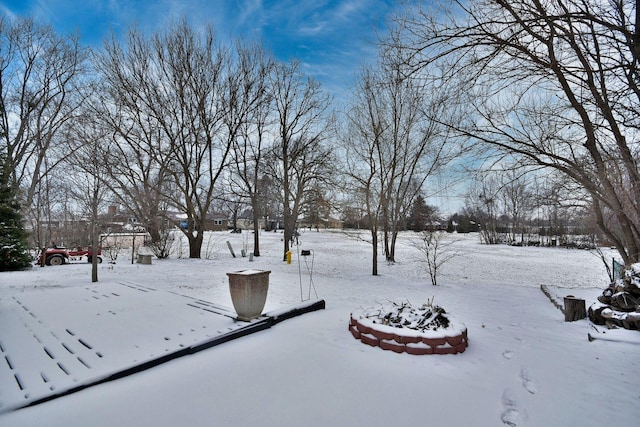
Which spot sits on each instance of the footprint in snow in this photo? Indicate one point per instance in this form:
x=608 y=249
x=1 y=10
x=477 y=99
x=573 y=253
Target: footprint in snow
x=508 y=354
x=511 y=416
x=527 y=381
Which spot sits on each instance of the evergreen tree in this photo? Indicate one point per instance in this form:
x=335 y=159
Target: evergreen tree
x=422 y=216
x=13 y=237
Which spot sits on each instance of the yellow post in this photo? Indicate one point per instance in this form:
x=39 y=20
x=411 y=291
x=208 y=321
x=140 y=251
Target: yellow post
x=289 y=257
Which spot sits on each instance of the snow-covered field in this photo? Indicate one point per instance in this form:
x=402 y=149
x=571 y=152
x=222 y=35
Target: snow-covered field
x=524 y=366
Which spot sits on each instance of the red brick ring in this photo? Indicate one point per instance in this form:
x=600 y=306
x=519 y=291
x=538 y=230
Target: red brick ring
x=402 y=340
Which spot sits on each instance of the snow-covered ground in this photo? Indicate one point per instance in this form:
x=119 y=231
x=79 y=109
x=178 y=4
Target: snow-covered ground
x=524 y=365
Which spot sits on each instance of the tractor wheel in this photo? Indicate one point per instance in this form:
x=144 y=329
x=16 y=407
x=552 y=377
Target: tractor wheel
x=55 y=260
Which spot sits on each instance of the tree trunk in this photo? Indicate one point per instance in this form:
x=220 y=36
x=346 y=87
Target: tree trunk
x=154 y=232
x=374 y=242
x=574 y=309
x=387 y=249
x=256 y=234
x=195 y=245
x=289 y=234
x=392 y=247
x=95 y=238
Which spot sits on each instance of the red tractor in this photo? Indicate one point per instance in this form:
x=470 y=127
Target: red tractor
x=59 y=255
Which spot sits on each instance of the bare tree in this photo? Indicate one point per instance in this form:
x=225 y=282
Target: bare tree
x=557 y=200
x=484 y=203
x=40 y=92
x=250 y=118
x=269 y=198
x=365 y=129
x=137 y=177
x=553 y=83
x=436 y=246
x=175 y=88
x=517 y=199
x=394 y=146
x=51 y=201
x=88 y=162
x=300 y=157
x=502 y=201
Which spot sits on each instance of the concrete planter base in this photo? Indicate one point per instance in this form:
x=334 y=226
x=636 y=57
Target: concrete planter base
x=248 y=292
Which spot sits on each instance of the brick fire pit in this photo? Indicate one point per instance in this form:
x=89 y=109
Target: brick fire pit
x=451 y=339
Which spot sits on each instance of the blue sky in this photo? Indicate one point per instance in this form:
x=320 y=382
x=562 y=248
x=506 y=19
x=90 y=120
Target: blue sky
x=331 y=37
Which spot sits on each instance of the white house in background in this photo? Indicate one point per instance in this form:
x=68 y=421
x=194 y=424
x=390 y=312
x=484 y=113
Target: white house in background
x=125 y=240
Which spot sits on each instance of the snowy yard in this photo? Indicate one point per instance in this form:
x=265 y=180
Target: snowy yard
x=524 y=365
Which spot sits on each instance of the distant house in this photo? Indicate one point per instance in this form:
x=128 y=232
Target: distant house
x=213 y=222
x=273 y=224
x=328 y=222
x=117 y=221
x=244 y=221
x=124 y=240
x=217 y=222
x=332 y=222
x=121 y=229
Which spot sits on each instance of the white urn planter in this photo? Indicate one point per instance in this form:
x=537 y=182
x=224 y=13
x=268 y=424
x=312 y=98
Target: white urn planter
x=248 y=292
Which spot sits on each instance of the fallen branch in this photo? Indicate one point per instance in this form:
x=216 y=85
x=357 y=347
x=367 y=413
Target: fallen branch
x=593 y=338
